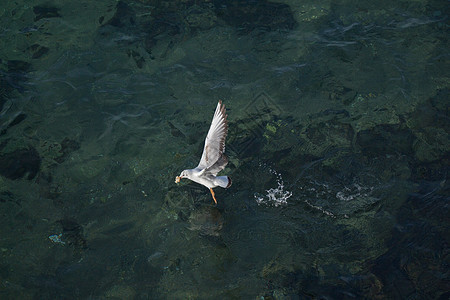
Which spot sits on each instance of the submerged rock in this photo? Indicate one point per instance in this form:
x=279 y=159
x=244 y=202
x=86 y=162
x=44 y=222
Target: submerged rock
x=73 y=233
x=385 y=139
x=45 y=12
x=38 y=51
x=17 y=120
x=207 y=221
x=120 y=292
x=20 y=163
x=247 y=16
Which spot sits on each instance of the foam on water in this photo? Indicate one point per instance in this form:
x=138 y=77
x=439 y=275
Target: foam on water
x=337 y=199
x=353 y=192
x=324 y=211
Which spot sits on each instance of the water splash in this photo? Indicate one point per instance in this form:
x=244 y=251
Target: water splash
x=275 y=196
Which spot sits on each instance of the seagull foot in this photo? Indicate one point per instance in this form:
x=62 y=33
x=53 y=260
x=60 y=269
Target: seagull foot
x=212 y=193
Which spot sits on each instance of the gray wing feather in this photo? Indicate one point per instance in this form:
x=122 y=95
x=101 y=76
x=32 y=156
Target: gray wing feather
x=213 y=159
x=218 y=166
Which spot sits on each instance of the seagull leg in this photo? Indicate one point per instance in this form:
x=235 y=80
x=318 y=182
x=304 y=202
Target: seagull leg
x=212 y=193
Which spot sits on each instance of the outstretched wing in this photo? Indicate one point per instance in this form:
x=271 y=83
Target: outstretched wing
x=213 y=160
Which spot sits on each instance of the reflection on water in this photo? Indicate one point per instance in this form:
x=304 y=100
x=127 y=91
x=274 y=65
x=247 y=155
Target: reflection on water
x=338 y=149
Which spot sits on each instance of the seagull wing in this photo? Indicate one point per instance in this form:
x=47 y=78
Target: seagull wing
x=213 y=158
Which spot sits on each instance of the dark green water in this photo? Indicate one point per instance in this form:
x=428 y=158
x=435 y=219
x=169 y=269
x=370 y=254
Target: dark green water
x=338 y=146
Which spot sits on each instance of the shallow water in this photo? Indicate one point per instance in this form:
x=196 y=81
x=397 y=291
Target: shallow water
x=338 y=146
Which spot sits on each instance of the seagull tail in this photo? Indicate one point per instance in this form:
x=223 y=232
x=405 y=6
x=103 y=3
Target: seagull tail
x=223 y=181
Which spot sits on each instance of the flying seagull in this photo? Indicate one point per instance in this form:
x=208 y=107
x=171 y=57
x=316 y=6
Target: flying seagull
x=213 y=158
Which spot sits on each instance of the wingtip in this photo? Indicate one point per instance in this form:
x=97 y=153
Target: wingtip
x=220 y=107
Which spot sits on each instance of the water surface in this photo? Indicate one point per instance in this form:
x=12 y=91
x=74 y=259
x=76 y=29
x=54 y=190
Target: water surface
x=338 y=146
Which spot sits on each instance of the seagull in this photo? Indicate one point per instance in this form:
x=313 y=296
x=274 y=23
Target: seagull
x=213 y=158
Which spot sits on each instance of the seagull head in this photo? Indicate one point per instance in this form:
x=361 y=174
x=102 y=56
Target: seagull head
x=184 y=174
